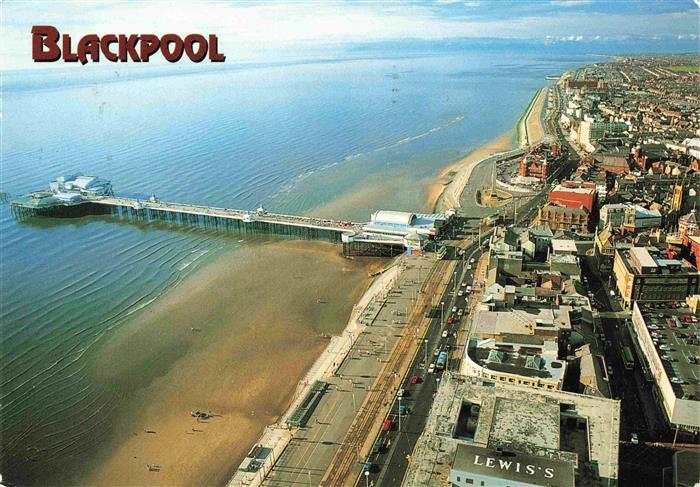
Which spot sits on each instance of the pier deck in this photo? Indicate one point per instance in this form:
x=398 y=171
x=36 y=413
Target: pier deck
x=154 y=210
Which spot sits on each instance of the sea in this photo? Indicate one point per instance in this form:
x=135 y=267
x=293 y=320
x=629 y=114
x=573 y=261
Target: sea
x=293 y=135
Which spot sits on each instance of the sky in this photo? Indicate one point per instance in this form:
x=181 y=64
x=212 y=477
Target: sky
x=250 y=29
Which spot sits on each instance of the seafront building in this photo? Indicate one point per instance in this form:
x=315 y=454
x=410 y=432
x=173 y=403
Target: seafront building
x=508 y=434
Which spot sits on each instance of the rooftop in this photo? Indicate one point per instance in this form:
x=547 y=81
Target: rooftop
x=553 y=426
x=513 y=466
x=522 y=320
x=673 y=328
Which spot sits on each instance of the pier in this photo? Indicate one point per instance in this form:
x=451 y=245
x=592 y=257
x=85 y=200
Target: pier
x=389 y=233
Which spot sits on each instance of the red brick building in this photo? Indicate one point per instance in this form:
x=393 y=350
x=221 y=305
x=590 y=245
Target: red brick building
x=572 y=194
x=533 y=168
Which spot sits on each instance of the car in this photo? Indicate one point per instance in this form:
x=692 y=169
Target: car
x=450 y=320
x=677 y=380
x=454 y=309
x=660 y=315
x=415 y=379
x=469 y=267
x=471 y=261
x=464 y=284
x=386 y=425
x=610 y=370
x=460 y=312
x=664 y=347
x=401 y=393
x=444 y=334
x=460 y=293
x=431 y=368
x=634 y=439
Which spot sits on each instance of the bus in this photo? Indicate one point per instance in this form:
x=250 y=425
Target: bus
x=440 y=364
x=627 y=358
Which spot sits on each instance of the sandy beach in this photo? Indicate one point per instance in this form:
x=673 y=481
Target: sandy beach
x=209 y=343
x=444 y=192
x=232 y=339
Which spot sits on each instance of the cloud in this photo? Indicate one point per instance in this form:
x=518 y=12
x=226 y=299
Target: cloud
x=249 y=30
x=571 y=3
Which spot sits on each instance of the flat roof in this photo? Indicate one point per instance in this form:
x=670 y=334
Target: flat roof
x=673 y=332
x=561 y=244
x=521 y=320
x=643 y=256
x=594 y=449
x=525 y=426
x=516 y=467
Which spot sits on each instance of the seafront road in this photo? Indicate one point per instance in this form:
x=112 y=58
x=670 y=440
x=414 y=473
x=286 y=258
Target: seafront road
x=313 y=447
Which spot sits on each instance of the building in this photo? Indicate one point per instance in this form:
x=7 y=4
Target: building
x=670 y=357
x=563 y=218
x=645 y=275
x=572 y=194
x=613 y=162
x=688 y=225
x=400 y=230
x=81 y=185
x=519 y=345
x=629 y=217
x=593 y=131
x=488 y=432
x=532 y=167
x=474 y=465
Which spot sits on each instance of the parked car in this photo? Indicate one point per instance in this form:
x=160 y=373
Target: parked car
x=634 y=439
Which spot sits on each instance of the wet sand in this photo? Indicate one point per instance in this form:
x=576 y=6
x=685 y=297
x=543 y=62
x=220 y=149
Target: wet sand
x=444 y=191
x=258 y=326
x=234 y=339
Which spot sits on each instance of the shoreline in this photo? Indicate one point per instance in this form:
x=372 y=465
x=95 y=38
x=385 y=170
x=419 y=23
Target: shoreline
x=216 y=459
x=446 y=188
x=445 y=192
x=449 y=183
x=199 y=349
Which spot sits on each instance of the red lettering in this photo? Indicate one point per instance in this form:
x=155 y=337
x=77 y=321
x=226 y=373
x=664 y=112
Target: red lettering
x=128 y=46
x=45 y=36
x=46 y=47
x=104 y=46
x=174 y=55
x=214 y=55
x=89 y=45
x=196 y=56
x=149 y=44
x=68 y=56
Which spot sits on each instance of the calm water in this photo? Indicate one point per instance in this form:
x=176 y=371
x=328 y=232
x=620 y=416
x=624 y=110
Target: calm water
x=293 y=137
